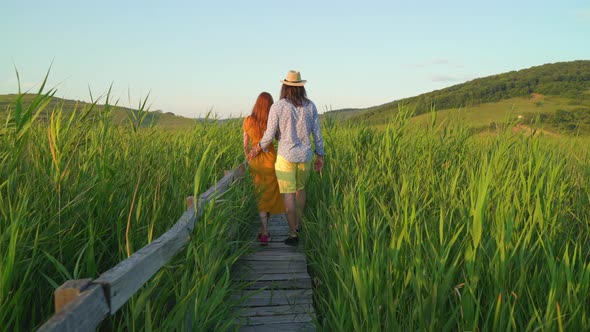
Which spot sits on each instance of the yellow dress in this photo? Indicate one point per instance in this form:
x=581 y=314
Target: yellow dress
x=262 y=169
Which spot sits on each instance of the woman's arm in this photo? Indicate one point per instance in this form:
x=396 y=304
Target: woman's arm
x=246 y=144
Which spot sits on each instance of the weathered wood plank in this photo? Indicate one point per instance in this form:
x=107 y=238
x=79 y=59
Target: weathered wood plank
x=245 y=273
x=123 y=280
x=272 y=247
x=255 y=298
x=82 y=314
x=283 y=327
x=273 y=243
x=280 y=284
x=265 y=276
x=275 y=270
x=276 y=310
x=274 y=266
x=287 y=258
x=280 y=231
x=260 y=320
x=277 y=250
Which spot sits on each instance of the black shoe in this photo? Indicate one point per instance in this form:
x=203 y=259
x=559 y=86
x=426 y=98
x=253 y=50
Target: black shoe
x=292 y=241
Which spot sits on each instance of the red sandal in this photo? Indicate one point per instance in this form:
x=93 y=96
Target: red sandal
x=263 y=238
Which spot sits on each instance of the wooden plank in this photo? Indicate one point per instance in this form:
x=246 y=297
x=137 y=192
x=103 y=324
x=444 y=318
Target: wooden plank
x=290 y=258
x=283 y=327
x=278 y=228
x=273 y=266
x=295 y=318
x=280 y=252
x=82 y=314
x=265 y=276
x=276 y=270
x=286 y=250
x=274 y=237
x=254 y=298
x=274 y=244
x=245 y=272
x=286 y=256
x=123 y=280
x=276 y=310
x=280 y=284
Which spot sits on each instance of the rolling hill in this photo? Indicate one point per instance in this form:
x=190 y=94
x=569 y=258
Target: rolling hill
x=118 y=114
x=557 y=95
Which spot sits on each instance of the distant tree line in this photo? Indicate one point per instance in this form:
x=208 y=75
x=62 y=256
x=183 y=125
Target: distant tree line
x=565 y=121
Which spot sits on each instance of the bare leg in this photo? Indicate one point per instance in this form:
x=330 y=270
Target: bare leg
x=264 y=222
x=300 y=198
x=290 y=208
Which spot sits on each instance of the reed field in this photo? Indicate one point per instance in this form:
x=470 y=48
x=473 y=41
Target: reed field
x=408 y=227
x=432 y=228
x=78 y=195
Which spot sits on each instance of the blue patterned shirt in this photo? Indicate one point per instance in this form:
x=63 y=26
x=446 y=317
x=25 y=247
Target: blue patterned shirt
x=295 y=125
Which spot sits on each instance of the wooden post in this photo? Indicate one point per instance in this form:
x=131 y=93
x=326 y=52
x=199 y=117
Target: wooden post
x=240 y=170
x=190 y=201
x=68 y=292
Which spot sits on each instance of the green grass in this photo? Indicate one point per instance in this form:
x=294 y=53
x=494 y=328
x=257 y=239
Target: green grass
x=417 y=225
x=487 y=116
x=432 y=228
x=73 y=185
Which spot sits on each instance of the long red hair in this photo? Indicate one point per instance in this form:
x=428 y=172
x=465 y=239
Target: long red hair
x=259 y=116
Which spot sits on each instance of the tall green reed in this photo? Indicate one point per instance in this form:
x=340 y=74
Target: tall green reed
x=434 y=228
x=78 y=194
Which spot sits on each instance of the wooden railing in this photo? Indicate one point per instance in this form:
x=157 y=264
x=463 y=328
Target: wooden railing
x=80 y=305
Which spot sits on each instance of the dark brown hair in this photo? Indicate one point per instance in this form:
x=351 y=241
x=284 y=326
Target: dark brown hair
x=259 y=116
x=296 y=95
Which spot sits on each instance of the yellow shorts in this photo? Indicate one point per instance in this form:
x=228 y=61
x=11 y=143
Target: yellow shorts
x=291 y=176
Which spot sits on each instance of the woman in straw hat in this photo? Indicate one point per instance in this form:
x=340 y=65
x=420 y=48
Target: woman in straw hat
x=262 y=166
x=295 y=118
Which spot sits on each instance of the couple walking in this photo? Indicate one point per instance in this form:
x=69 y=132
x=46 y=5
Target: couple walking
x=291 y=121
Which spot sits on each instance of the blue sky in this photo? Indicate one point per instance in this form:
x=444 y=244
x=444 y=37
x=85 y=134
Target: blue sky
x=195 y=56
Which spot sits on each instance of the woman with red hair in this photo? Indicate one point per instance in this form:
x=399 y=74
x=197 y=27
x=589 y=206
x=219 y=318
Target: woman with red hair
x=262 y=167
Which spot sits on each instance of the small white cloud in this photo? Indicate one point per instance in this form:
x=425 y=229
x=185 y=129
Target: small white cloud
x=450 y=78
x=441 y=61
x=437 y=62
x=11 y=85
x=444 y=78
x=583 y=14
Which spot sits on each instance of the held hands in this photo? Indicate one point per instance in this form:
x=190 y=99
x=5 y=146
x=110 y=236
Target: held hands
x=253 y=152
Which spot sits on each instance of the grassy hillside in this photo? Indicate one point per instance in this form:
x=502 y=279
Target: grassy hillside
x=544 y=90
x=553 y=113
x=116 y=113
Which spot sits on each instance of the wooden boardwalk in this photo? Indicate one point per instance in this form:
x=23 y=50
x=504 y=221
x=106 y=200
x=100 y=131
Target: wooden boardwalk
x=278 y=296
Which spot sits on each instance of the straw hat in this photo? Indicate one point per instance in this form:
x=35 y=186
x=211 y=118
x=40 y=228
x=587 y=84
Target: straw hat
x=293 y=79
